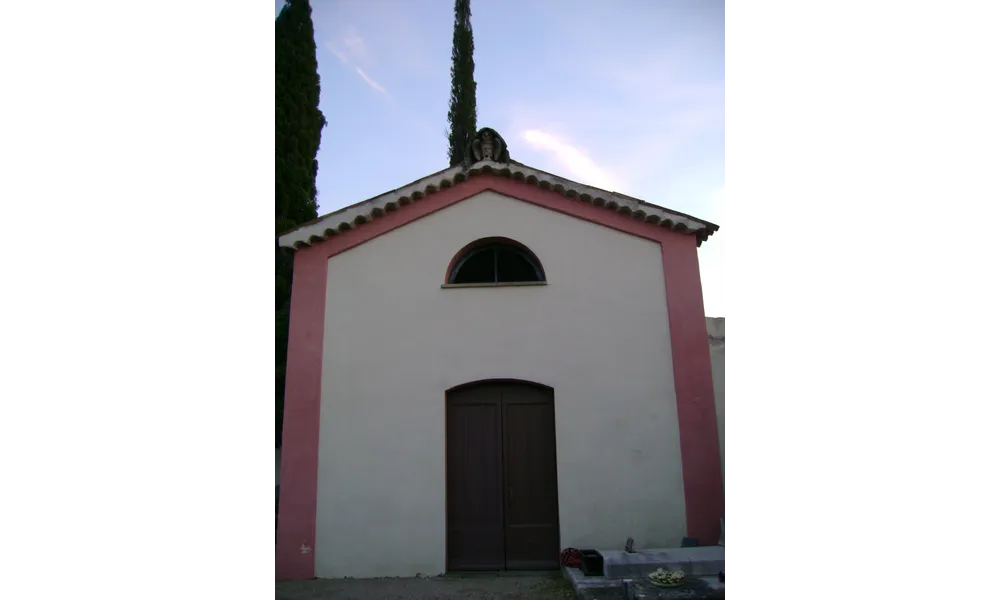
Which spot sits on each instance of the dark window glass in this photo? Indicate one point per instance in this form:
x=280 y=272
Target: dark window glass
x=512 y=265
x=496 y=263
x=477 y=267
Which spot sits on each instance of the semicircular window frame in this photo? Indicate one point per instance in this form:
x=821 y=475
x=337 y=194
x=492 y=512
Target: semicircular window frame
x=496 y=247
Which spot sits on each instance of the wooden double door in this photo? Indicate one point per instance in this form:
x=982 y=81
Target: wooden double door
x=503 y=506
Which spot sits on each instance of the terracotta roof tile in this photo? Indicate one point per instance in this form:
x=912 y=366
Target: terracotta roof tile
x=357 y=215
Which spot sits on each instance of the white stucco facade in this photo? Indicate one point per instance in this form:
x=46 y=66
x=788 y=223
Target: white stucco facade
x=395 y=341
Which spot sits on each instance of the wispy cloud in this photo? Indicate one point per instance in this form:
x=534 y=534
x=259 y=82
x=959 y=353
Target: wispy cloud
x=351 y=51
x=374 y=84
x=576 y=161
x=356 y=46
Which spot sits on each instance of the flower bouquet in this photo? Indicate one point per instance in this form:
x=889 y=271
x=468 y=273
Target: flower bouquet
x=663 y=578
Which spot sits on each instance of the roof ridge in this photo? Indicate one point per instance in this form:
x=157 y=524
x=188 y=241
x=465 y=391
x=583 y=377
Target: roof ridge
x=361 y=213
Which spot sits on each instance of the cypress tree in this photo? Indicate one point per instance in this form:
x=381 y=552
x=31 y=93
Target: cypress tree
x=298 y=125
x=462 y=110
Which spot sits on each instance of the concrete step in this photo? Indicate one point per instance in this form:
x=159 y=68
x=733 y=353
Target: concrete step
x=603 y=588
x=695 y=562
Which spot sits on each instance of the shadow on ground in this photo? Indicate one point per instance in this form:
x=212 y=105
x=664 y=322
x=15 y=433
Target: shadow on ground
x=450 y=587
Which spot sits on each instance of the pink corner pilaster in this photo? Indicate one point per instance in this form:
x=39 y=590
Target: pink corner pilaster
x=294 y=553
x=699 y=435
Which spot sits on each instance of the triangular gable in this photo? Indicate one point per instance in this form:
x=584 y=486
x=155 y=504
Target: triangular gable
x=403 y=199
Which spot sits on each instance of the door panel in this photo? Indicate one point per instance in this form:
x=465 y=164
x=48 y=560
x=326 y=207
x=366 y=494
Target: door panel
x=531 y=503
x=475 y=480
x=502 y=494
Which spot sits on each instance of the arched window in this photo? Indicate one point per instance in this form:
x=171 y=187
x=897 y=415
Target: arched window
x=496 y=261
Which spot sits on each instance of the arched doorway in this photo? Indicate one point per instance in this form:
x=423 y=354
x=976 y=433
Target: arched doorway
x=503 y=506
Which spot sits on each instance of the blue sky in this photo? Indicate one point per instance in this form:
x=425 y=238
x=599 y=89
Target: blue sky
x=627 y=96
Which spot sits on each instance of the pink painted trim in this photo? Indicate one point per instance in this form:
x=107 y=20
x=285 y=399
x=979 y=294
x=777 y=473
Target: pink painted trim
x=295 y=550
x=300 y=433
x=699 y=436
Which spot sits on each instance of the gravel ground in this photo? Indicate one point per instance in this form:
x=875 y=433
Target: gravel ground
x=506 y=587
